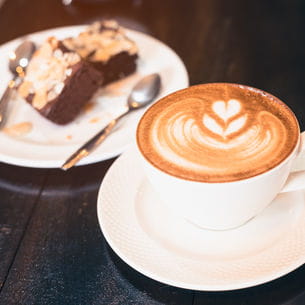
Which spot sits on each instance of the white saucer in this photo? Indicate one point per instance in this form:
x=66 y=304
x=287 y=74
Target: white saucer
x=169 y=249
x=48 y=144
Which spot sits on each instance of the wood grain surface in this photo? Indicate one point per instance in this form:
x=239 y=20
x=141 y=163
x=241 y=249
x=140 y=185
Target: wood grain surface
x=51 y=248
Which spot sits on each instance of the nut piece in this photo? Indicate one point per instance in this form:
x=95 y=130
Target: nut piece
x=25 y=88
x=94 y=120
x=39 y=99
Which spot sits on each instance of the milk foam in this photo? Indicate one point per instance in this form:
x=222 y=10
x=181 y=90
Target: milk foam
x=225 y=111
x=215 y=137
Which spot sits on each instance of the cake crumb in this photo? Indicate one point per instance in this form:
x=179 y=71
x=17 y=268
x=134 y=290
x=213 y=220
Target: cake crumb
x=69 y=137
x=94 y=120
x=89 y=106
x=19 y=129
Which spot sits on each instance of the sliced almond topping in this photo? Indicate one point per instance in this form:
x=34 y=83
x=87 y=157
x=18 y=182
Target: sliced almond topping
x=51 y=95
x=58 y=87
x=53 y=41
x=68 y=72
x=39 y=100
x=47 y=72
x=25 y=89
x=58 y=53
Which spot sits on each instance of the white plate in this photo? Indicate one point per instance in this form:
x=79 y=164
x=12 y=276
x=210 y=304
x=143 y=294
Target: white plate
x=48 y=145
x=152 y=240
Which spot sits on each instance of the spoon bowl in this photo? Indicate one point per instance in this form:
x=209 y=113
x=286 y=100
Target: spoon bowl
x=18 y=61
x=143 y=93
x=21 y=56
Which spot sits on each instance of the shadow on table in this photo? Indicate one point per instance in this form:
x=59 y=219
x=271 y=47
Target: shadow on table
x=287 y=290
x=27 y=180
x=20 y=179
x=149 y=290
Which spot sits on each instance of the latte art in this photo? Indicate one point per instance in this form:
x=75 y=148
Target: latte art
x=217 y=133
x=224 y=111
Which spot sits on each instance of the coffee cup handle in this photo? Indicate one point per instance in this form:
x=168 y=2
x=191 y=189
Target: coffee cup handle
x=296 y=179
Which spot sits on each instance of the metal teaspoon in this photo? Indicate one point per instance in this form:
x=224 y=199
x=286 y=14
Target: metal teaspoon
x=141 y=95
x=19 y=60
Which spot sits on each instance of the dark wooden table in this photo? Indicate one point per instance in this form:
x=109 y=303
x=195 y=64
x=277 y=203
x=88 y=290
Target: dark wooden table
x=51 y=248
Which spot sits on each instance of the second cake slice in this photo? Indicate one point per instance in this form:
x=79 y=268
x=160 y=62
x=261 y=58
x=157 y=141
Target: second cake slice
x=106 y=46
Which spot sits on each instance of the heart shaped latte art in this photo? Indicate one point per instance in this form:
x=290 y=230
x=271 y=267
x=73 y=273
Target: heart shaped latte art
x=225 y=111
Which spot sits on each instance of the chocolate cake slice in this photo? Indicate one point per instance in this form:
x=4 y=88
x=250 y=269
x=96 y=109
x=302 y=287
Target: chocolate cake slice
x=106 y=46
x=58 y=82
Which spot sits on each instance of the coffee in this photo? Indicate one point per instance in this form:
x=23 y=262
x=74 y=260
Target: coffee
x=217 y=133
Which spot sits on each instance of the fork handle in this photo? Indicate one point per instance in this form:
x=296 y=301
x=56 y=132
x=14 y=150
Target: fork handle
x=91 y=145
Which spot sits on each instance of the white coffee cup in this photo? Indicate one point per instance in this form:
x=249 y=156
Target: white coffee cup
x=226 y=205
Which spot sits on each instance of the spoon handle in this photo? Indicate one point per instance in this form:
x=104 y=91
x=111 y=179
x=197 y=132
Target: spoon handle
x=5 y=99
x=92 y=144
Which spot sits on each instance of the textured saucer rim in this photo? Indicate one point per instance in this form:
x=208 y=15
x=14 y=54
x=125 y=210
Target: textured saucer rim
x=129 y=158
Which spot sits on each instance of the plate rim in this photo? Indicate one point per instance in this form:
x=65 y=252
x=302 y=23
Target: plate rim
x=92 y=158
